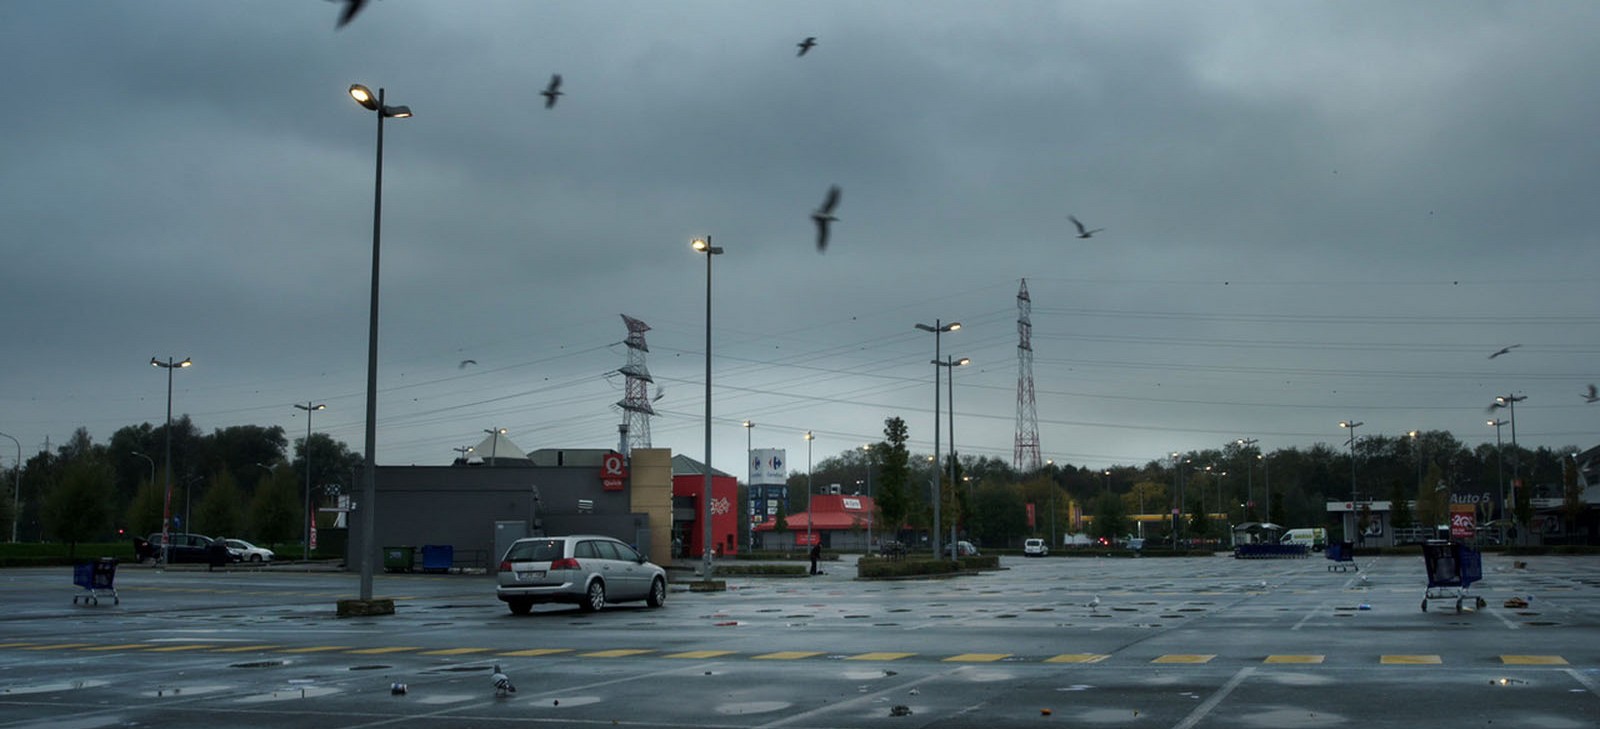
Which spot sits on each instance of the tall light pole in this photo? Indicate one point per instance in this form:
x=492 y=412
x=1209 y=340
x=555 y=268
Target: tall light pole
x=704 y=246
x=938 y=328
x=872 y=513
x=166 y=509
x=494 y=442
x=152 y=463
x=1510 y=401
x=1177 y=495
x=369 y=475
x=1351 y=426
x=950 y=364
x=305 y=543
x=1050 y=463
x=1500 y=462
x=16 y=487
x=750 y=487
x=810 y=506
x=464 y=450
x=1250 y=471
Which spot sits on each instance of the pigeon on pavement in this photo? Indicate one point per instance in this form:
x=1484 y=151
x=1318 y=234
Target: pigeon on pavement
x=502 y=683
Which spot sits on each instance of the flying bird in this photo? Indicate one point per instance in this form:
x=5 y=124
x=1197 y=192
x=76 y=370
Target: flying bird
x=1082 y=231
x=806 y=45
x=1591 y=395
x=351 y=7
x=824 y=216
x=466 y=362
x=1504 y=350
x=552 y=91
x=502 y=683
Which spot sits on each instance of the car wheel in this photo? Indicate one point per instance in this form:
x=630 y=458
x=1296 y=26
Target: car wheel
x=658 y=593
x=595 y=599
x=255 y=558
x=520 y=607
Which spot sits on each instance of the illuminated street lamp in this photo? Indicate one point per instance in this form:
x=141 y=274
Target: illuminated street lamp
x=937 y=328
x=166 y=509
x=703 y=245
x=749 y=477
x=810 y=506
x=1351 y=426
x=305 y=543
x=872 y=514
x=494 y=441
x=369 y=476
x=1500 y=461
x=950 y=364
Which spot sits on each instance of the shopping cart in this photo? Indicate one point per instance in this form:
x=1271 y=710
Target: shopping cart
x=1341 y=555
x=98 y=578
x=1452 y=568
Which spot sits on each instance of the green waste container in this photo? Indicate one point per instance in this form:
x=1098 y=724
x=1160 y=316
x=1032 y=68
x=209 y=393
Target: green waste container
x=399 y=559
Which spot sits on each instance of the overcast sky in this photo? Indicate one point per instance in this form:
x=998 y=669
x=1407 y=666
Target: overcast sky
x=1313 y=212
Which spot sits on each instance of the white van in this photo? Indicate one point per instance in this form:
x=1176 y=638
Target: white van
x=1316 y=538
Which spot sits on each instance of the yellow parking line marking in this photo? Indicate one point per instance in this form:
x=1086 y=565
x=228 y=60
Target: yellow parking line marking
x=1533 y=660
x=317 y=649
x=698 y=654
x=176 y=648
x=786 y=655
x=56 y=646
x=617 y=653
x=1411 y=660
x=453 y=651
x=247 y=648
x=1185 y=658
x=880 y=656
x=538 y=652
x=1077 y=658
x=1294 y=659
x=390 y=649
x=976 y=658
x=16 y=645
x=123 y=647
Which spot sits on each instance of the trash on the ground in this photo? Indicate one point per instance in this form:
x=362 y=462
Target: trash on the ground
x=900 y=710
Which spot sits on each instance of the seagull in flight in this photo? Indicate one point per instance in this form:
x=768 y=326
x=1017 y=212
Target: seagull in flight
x=466 y=362
x=351 y=7
x=552 y=91
x=824 y=216
x=1082 y=231
x=502 y=683
x=1591 y=395
x=806 y=45
x=1504 y=350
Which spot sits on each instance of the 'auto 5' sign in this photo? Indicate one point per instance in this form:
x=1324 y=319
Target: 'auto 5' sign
x=613 y=471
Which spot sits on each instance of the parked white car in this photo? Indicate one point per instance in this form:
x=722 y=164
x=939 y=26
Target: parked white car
x=247 y=552
x=589 y=570
x=1034 y=548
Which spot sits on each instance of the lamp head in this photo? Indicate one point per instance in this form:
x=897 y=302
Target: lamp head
x=397 y=112
x=363 y=96
x=952 y=326
x=963 y=362
x=703 y=245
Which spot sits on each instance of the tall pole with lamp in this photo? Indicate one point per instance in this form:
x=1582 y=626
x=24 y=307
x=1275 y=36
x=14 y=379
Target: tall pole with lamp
x=938 y=328
x=16 y=487
x=166 y=508
x=950 y=364
x=749 y=485
x=810 y=506
x=872 y=514
x=305 y=543
x=703 y=245
x=1351 y=426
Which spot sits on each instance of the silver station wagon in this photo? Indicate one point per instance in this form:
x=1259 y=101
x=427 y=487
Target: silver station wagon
x=585 y=569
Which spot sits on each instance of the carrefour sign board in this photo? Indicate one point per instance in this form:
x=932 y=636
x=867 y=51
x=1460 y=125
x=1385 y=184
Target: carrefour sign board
x=768 y=467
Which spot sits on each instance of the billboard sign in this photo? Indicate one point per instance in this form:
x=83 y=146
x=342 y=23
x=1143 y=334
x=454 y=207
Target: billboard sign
x=768 y=467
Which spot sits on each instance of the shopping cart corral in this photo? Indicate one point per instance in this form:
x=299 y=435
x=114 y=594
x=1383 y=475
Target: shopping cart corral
x=1452 y=568
x=97 y=578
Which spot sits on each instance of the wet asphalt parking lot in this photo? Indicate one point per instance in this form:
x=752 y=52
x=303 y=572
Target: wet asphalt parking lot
x=1192 y=642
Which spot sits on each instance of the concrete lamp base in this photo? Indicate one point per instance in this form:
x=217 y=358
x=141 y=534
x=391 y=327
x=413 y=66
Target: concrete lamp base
x=362 y=608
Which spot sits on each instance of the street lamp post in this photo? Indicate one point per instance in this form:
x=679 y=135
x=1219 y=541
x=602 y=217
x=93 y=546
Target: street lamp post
x=750 y=488
x=810 y=506
x=463 y=451
x=369 y=477
x=16 y=487
x=938 y=328
x=494 y=442
x=1250 y=471
x=1351 y=426
x=704 y=246
x=950 y=364
x=305 y=544
x=166 y=509
x=1050 y=463
x=1510 y=401
x=872 y=513
x=1500 y=462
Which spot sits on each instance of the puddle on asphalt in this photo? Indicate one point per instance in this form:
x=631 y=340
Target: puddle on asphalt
x=1041 y=609
x=752 y=707
x=1106 y=715
x=87 y=722
x=173 y=692
x=371 y=667
x=1293 y=716
x=45 y=688
x=443 y=698
x=259 y=664
x=289 y=694
x=1297 y=679
x=568 y=702
x=460 y=669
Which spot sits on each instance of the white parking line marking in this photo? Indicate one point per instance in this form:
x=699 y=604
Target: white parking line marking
x=1206 y=706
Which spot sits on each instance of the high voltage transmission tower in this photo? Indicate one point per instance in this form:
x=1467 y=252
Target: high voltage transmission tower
x=1025 y=456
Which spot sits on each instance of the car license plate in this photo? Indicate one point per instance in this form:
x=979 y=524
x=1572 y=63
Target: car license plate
x=530 y=574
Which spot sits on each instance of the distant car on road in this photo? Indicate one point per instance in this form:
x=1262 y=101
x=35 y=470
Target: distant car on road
x=244 y=551
x=184 y=548
x=966 y=549
x=1034 y=548
x=587 y=570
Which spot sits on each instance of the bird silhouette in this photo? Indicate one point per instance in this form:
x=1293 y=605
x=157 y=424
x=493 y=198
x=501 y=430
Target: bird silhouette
x=1083 y=232
x=466 y=362
x=1591 y=395
x=1094 y=605
x=552 y=91
x=1504 y=350
x=806 y=45
x=824 y=216
x=351 y=7
x=502 y=683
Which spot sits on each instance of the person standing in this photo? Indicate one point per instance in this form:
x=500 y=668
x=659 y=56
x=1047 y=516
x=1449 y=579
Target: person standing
x=816 y=554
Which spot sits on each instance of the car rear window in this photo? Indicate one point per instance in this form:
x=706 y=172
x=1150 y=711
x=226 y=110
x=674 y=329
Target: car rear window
x=543 y=550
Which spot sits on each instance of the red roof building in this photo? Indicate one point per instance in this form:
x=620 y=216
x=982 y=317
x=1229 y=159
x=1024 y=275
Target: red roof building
x=838 y=522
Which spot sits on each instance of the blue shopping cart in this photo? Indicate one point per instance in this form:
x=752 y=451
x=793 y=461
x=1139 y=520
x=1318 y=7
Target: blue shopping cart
x=97 y=578
x=1341 y=556
x=1452 y=568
